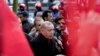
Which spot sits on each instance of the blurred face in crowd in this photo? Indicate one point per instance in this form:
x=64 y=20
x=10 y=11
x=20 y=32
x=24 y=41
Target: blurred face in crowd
x=48 y=30
x=49 y=17
x=39 y=21
x=22 y=17
x=61 y=24
x=39 y=14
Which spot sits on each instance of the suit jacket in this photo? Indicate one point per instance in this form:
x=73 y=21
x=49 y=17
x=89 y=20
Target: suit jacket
x=42 y=47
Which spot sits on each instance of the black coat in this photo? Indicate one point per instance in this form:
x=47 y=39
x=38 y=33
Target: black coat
x=42 y=47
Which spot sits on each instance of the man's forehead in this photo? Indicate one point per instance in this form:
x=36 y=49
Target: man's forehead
x=49 y=13
x=49 y=27
x=39 y=22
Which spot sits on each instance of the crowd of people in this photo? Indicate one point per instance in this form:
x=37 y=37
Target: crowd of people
x=45 y=31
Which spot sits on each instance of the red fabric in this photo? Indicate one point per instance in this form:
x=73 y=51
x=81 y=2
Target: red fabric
x=12 y=40
x=83 y=30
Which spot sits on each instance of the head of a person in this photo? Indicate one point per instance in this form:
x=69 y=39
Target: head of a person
x=47 y=15
x=22 y=7
x=60 y=23
x=39 y=14
x=23 y=15
x=37 y=22
x=47 y=30
x=38 y=5
x=55 y=8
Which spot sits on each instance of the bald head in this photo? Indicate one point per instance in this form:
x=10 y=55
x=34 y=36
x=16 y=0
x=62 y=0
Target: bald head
x=47 y=29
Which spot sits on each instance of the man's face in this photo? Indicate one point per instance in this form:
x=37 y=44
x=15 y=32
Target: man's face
x=38 y=24
x=22 y=17
x=61 y=24
x=49 y=32
x=49 y=17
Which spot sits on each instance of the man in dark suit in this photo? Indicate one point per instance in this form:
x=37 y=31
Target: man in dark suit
x=45 y=44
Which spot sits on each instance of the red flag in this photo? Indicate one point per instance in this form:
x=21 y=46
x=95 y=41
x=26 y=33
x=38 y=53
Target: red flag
x=83 y=30
x=12 y=40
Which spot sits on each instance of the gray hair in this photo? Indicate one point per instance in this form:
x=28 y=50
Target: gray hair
x=37 y=19
x=39 y=14
x=46 y=24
